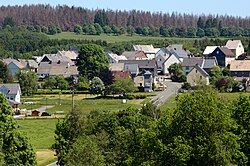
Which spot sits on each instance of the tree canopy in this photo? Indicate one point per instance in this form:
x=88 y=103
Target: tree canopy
x=201 y=130
x=5 y=75
x=28 y=81
x=14 y=146
x=91 y=60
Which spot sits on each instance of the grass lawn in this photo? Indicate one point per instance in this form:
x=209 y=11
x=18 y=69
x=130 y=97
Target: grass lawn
x=111 y=38
x=39 y=131
x=84 y=102
x=170 y=104
x=41 y=134
x=45 y=157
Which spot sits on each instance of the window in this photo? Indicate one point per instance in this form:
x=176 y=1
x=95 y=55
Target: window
x=196 y=71
x=217 y=52
x=187 y=68
x=11 y=98
x=200 y=77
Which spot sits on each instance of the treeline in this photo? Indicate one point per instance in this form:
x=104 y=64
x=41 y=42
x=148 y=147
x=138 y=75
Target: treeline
x=19 y=42
x=140 y=22
x=203 y=129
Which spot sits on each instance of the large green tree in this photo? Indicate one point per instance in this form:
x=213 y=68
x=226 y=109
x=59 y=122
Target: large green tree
x=241 y=113
x=14 y=146
x=101 y=18
x=5 y=75
x=121 y=86
x=176 y=72
x=199 y=133
x=28 y=81
x=91 y=60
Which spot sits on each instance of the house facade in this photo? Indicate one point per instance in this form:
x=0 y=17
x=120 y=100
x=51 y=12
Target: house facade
x=114 y=58
x=149 y=50
x=236 y=47
x=169 y=61
x=198 y=76
x=161 y=57
x=14 y=65
x=223 y=55
x=11 y=91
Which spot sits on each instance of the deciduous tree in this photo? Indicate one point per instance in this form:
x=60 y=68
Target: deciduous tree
x=14 y=146
x=28 y=81
x=91 y=60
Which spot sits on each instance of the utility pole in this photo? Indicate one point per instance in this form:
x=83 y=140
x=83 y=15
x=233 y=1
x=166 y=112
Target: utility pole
x=73 y=102
x=74 y=82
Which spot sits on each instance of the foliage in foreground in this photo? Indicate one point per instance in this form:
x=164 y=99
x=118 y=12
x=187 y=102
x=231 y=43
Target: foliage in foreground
x=14 y=147
x=201 y=130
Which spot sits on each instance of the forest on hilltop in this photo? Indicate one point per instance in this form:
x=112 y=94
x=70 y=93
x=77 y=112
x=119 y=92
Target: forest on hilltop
x=66 y=17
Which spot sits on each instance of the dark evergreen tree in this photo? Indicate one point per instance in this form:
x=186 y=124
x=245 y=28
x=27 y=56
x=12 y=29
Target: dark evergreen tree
x=101 y=18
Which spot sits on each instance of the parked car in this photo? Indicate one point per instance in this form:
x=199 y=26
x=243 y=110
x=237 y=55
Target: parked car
x=45 y=114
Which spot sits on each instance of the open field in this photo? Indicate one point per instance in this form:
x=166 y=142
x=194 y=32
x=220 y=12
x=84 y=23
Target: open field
x=41 y=134
x=112 y=38
x=84 y=102
x=45 y=156
x=39 y=131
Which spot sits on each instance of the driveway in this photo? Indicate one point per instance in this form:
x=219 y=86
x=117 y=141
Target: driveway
x=163 y=96
x=43 y=108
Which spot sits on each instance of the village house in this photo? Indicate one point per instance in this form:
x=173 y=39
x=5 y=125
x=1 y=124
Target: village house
x=70 y=54
x=134 y=55
x=198 y=76
x=13 y=94
x=204 y=62
x=208 y=50
x=11 y=91
x=114 y=58
x=13 y=65
x=143 y=66
x=56 y=65
x=117 y=70
x=240 y=69
x=189 y=63
x=149 y=50
x=223 y=55
x=161 y=57
x=169 y=61
x=236 y=47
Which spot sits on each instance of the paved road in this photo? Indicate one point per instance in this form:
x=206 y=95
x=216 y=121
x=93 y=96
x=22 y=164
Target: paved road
x=163 y=96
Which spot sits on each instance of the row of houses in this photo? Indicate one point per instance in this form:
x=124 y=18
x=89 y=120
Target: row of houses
x=225 y=54
x=146 y=58
x=62 y=63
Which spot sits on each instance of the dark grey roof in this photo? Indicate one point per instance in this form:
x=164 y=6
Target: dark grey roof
x=175 y=47
x=56 y=58
x=180 y=53
x=141 y=63
x=202 y=71
x=225 y=51
x=165 y=50
x=12 y=88
x=191 y=62
x=208 y=63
